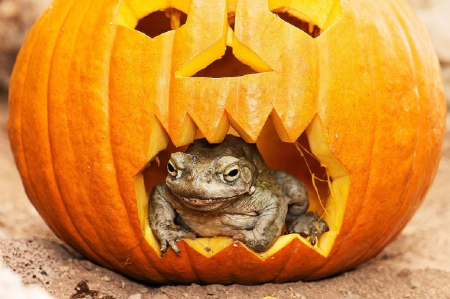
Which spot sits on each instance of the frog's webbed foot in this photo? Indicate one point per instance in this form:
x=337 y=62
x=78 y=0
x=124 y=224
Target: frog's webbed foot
x=170 y=235
x=308 y=225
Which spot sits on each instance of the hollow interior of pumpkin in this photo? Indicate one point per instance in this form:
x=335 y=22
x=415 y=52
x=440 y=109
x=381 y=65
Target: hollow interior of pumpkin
x=309 y=158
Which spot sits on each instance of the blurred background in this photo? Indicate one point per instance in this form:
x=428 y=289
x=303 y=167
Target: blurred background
x=17 y=16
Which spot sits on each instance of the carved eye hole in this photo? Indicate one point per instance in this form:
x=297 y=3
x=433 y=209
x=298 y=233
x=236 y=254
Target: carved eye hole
x=171 y=168
x=232 y=173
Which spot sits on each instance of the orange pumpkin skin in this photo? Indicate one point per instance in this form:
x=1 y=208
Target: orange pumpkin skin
x=92 y=102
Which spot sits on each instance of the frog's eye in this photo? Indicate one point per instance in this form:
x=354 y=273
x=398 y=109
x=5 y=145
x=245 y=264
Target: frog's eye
x=172 y=169
x=232 y=173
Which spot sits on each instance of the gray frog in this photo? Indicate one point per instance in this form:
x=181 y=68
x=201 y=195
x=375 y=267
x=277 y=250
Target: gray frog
x=227 y=189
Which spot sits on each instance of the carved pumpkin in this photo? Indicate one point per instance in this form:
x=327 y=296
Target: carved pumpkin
x=349 y=99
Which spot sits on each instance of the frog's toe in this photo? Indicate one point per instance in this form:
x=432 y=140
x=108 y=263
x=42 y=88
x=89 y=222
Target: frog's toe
x=170 y=238
x=308 y=225
x=324 y=227
x=174 y=246
x=164 y=245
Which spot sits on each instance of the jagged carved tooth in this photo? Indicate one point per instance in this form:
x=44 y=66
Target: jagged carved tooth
x=290 y=131
x=214 y=132
x=182 y=132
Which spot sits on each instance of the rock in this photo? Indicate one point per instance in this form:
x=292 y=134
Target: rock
x=404 y=273
x=88 y=265
x=414 y=284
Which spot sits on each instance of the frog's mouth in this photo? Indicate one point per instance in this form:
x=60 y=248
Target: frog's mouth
x=206 y=204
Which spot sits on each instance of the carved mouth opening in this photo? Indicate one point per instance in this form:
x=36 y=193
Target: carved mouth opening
x=309 y=159
x=307 y=155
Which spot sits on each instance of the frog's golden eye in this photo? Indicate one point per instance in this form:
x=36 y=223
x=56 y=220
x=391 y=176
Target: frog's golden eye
x=232 y=173
x=172 y=169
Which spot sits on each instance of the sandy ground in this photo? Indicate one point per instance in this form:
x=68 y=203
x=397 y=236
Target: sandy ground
x=415 y=265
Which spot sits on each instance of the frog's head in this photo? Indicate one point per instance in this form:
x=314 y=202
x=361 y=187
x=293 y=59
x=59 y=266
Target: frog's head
x=209 y=184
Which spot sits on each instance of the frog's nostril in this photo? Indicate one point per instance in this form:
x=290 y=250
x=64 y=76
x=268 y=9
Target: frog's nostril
x=207 y=177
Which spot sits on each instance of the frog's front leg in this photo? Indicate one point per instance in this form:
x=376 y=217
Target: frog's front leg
x=162 y=219
x=268 y=226
x=297 y=219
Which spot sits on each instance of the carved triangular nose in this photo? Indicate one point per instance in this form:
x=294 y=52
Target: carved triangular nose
x=227 y=66
x=209 y=41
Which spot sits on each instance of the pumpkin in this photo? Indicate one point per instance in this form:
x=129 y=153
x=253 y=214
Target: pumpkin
x=346 y=95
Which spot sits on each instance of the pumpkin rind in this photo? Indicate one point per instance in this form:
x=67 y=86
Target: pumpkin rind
x=92 y=103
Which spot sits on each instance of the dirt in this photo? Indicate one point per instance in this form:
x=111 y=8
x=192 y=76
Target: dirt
x=415 y=265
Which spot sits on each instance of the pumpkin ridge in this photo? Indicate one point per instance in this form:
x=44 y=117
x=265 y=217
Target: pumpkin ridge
x=69 y=226
x=283 y=268
x=136 y=253
x=72 y=226
x=60 y=103
x=191 y=263
x=393 y=216
x=388 y=232
x=114 y=158
x=118 y=206
x=422 y=120
x=15 y=110
x=16 y=107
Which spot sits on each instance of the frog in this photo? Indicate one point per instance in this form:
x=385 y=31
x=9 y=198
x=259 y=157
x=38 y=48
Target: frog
x=226 y=189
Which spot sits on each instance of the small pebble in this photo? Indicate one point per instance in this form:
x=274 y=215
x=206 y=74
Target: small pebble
x=414 y=284
x=106 y=278
x=404 y=273
x=135 y=296
x=88 y=265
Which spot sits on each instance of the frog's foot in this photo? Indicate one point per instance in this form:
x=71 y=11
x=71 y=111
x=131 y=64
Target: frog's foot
x=171 y=235
x=308 y=225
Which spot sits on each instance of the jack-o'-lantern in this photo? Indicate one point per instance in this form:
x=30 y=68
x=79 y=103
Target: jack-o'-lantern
x=345 y=95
